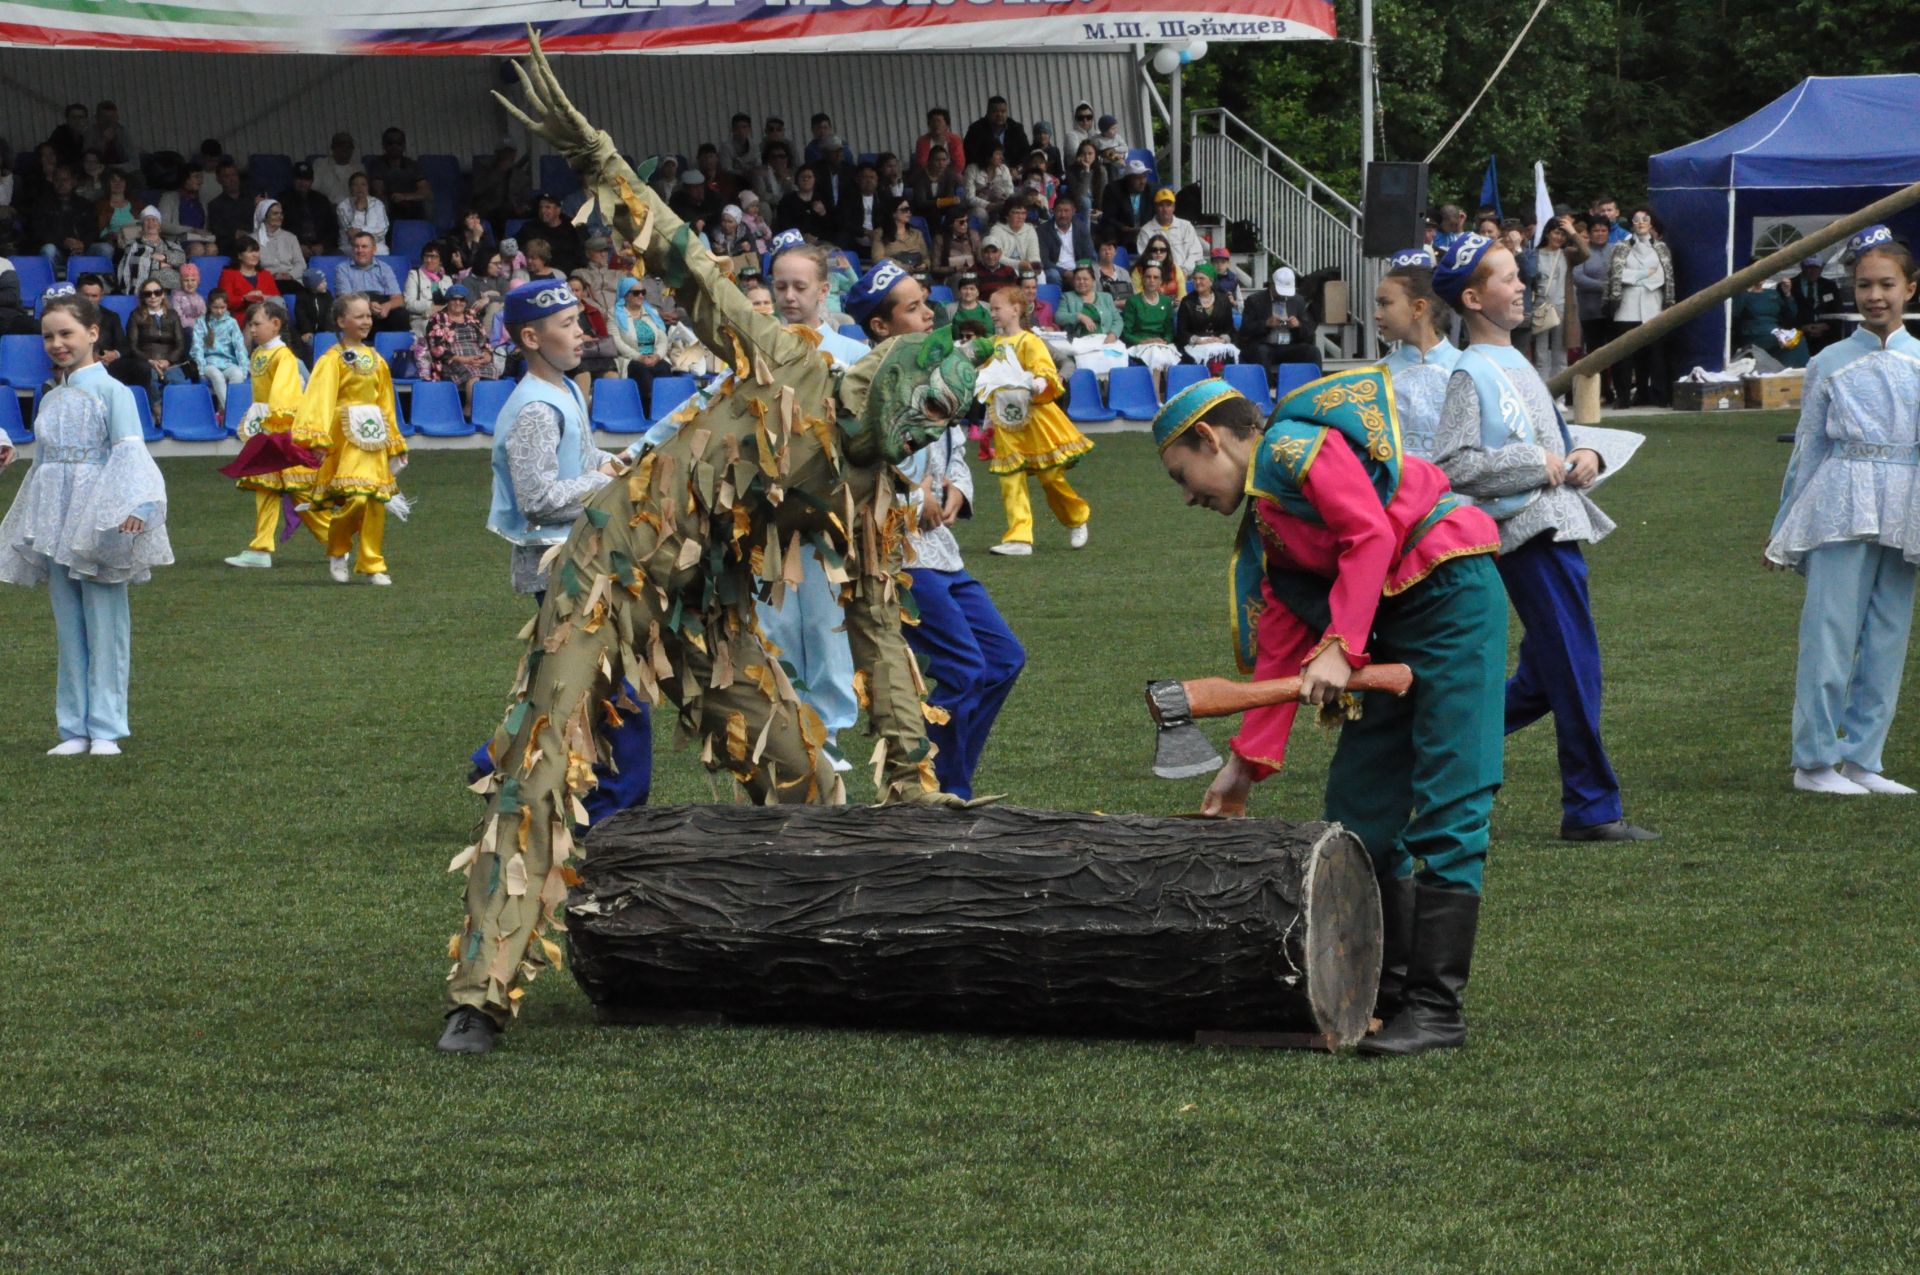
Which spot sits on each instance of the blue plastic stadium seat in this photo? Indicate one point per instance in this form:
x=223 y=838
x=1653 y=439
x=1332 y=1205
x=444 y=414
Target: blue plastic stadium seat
x=148 y=429
x=1083 y=399
x=488 y=398
x=940 y=294
x=1251 y=380
x=23 y=362
x=210 y=268
x=408 y=237
x=436 y=410
x=120 y=305
x=669 y=392
x=400 y=266
x=270 y=174
x=322 y=342
x=616 y=406
x=513 y=225
x=13 y=427
x=442 y=172
x=391 y=346
x=853 y=332
x=1047 y=292
x=1130 y=393
x=36 y=276
x=79 y=264
x=556 y=176
x=239 y=402
x=326 y=265
x=1121 y=257
x=1181 y=375
x=187 y=414
x=1291 y=376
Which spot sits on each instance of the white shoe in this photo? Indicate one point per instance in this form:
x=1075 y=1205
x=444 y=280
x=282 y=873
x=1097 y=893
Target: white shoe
x=104 y=748
x=1077 y=537
x=1828 y=780
x=69 y=747
x=379 y=577
x=250 y=558
x=1872 y=782
x=1013 y=549
x=337 y=568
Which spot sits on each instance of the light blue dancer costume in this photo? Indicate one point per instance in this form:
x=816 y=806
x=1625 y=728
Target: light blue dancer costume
x=1419 y=380
x=90 y=474
x=1850 y=520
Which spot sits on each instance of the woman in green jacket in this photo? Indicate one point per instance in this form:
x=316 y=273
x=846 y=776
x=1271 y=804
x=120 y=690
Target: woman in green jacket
x=1146 y=328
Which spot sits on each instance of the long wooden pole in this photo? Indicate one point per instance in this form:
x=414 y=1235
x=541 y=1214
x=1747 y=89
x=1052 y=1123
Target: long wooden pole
x=1590 y=367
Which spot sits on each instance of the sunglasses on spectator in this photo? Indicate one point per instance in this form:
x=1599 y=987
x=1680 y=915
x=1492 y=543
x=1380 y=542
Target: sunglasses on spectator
x=1084 y=115
x=151 y=292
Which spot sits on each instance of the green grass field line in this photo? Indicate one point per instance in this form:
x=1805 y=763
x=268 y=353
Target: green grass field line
x=223 y=982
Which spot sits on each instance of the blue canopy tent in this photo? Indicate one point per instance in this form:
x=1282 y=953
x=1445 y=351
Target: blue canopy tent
x=1829 y=147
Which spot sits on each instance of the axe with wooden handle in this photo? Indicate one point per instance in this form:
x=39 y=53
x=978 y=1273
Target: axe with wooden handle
x=1180 y=751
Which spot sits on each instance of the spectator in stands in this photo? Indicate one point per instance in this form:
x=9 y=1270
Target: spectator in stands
x=16 y=316
x=186 y=299
x=1146 y=328
x=312 y=312
x=1488 y=224
x=774 y=179
x=989 y=183
x=156 y=336
x=397 y=179
x=1276 y=326
x=1064 y=241
x=1228 y=278
x=561 y=236
x=426 y=289
x=601 y=355
x=1086 y=311
x=1182 y=239
x=1045 y=147
x=361 y=213
x=1108 y=273
x=109 y=137
x=1040 y=312
x=1086 y=180
x=69 y=139
x=859 y=215
x=1080 y=129
x=901 y=240
x=1203 y=323
x=453 y=346
x=1453 y=224
x=245 y=281
x=211 y=155
x=503 y=189
x=997 y=128
x=666 y=176
x=935 y=188
x=837 y=178
x=1639 y=286
x=1019 y=245
x=1559 y=252
x=774 y=129
x=229 y=213
x=602 y=280
x=720 y=186
x=112 y=348
x=1037 y=183
x=939 y=133
x=1608 y=207
x=219 y=350
x=1128 y=206
x=183 y=215
x=956 y=248
x=62 y=223
x=365 y=272
x=1113 y=148
x=540 y=263
x=280 y=254
x=892 y=184
x=333 y=174
x=10 y=202
x=90 y=179
x=737 y=157
x=822 y=126
x=1590 y=289
x=640 y=334
x=1814 y=295
x=993 y=273
x=486 y=282
x=753 y=221
x=115 y=212
x=308 y=215
x=1157 y=252
x=36 y=180
x=689 y=201
x=150 y=255
x=804 y=210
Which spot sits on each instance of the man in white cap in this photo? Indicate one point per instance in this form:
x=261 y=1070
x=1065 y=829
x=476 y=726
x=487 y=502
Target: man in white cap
x=1127 y=205
x=1276 y=326
x=1189 y=250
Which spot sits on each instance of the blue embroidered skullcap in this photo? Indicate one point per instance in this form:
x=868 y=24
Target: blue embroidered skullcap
x=1188 y=406
x=784 y=240
x=531 y=302
x=1871 y=237
x=1411 y=257
x=1457 y=265
x=866 y=296
x=60 y=290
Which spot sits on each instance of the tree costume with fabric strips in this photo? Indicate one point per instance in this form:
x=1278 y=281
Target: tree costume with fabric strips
x=658 y=579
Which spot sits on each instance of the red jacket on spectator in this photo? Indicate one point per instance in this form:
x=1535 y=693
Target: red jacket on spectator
x=237 y=286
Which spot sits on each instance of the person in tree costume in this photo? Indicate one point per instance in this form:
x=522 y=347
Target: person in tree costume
x=657 y=581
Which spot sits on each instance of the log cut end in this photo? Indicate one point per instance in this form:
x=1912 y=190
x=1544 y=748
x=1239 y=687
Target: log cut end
x=1344 y=937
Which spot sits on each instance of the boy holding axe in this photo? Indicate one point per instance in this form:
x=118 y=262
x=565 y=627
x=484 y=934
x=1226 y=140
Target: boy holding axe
x=1349 y=552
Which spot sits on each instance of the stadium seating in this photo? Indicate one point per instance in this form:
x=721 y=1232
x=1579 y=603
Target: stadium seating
x=36 y=276
x=616 y=406
x=408 y=237
x=1181 y=375
x=442 y=172
x=392 y=346
x=940 y=294
x=120 y=305
x=1251 y=380
x=186 y=412
x=1130 y=393
x=148 y=429
x=13 y=427
x=556 y=177
x=239 y=403
x=23 y=362
x=270 y=174
x=488 y=398
x=669 y=392
x=400 y=266
x=210 y=268
x=852 y=332
x=322 y=342
x=326 y=265
x=1291 y=376
x=436 y=411
x=1083 y=399
x=1047 y=292
x=78 y=265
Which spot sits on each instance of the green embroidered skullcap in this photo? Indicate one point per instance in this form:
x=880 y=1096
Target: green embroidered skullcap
x=1188 y=406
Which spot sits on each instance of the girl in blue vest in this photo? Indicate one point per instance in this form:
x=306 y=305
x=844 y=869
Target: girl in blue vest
x=1850 y=519
x=1502 y=442
x=545 y=467
x=1409 y=313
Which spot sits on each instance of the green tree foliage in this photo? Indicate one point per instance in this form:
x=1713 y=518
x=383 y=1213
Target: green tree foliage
x=1595 y=89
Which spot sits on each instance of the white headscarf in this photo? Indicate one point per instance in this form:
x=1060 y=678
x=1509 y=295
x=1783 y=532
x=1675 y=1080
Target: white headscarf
x=260 y=211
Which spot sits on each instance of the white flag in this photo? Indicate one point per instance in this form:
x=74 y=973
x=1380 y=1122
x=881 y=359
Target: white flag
x=1542 y=203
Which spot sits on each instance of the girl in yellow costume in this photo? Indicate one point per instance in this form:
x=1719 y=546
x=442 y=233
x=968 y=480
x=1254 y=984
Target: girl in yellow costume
x=1044 y=445
x=279 y=381
x=349 y=411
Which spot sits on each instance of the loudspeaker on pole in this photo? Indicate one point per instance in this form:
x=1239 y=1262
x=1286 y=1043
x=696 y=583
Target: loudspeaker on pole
x=1395 y=205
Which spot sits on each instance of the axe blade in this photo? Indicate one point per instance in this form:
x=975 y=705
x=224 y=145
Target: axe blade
x=1180 y=751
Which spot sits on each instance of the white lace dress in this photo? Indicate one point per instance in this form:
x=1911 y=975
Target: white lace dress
x=91 y=472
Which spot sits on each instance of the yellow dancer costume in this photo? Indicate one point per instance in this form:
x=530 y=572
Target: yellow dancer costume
x=349 y=411
x=1045 y=446
x=278 y=386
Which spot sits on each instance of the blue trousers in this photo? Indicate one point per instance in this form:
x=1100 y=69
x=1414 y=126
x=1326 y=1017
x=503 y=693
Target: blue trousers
x=1853 y=644
x=1559 y=673
x=809 y=627
x=974 y=660
x=95 y=632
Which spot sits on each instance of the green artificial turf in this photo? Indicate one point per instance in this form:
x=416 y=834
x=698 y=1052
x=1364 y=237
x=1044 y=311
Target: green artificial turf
x=223 y=981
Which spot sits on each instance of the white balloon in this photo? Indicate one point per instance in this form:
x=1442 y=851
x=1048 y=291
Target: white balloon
x=1196 y=50
x=1166 y=59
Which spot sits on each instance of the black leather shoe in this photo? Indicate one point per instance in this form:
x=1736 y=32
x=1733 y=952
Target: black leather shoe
x=1618 y=830
x=1396 y=925
x=1444 y=925
x=468 y=1032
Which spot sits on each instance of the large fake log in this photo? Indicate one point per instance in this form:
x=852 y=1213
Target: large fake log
x=994 y=919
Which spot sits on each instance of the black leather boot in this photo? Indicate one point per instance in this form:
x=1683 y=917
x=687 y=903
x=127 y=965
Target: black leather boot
x=1444 y=924
x=469 y=1031
x=1396 y=936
